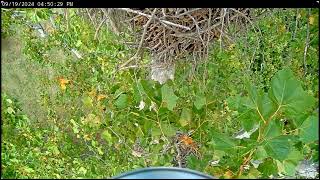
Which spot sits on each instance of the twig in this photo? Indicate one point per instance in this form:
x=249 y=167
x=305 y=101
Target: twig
x=90 y=17
x=188 y=12
x=306 y=47
x=245 y=162
x=98 y=28
x=113 y=25
x=198 y=29
x=223 y=16
x=141 y=40
x=296 y=26
x=178 y=157
x=149 y=16
x=209 y=23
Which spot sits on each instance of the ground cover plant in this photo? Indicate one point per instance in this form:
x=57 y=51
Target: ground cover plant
x=248 y=110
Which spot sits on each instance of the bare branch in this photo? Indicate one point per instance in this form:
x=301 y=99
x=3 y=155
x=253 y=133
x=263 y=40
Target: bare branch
x=149 y=16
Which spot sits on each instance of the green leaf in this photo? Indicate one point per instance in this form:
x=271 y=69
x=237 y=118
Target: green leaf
x=222 y=142
x=268 y=167
x=122 y=101
x=168 y=129
x=200 y=101
x=289 y=167
x=249 y=119
x=186 y=116
x=273 y=129
x=278 y=147
x=107 y=136
x=10 y=110
x=87 y=101
x=168 y=97
x=295 y=156
x=288 y=93
x=260 y=153
x=309 y=130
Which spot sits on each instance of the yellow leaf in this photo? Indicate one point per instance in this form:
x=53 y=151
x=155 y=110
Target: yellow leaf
x=311 y=20
x=93 y=93
x=63 y=86
x=63 y=83
x=101 y=96
x=283 y=28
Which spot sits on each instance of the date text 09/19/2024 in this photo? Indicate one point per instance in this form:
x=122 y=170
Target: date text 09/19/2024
x=36 y=4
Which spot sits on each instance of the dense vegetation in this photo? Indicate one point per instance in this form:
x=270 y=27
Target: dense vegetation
x=70 y=117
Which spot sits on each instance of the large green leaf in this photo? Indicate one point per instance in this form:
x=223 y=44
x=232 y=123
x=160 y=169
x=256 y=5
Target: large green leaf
x=278 y=147
x=168 y=97
x=288 y=93
x=222 y=142
x=310 y=129
x=260 y=102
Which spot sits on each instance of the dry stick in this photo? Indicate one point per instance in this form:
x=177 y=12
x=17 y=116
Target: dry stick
x=149 y=16
x=197 y=27
x=223 y=16
x=188 y=12
x=90 y=17
x=141 y=40
x=178 y=157
x=209 y=23
x=296 y=26
x=306 y=47
x=113 y=25
x=99 y=26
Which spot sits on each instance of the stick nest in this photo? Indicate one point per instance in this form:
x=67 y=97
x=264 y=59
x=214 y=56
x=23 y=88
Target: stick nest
x=172 y=34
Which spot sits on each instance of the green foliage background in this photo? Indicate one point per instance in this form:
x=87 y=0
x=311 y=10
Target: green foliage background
x=77 y=135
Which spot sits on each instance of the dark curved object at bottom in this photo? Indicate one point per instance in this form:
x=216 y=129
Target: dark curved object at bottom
x=163 y=173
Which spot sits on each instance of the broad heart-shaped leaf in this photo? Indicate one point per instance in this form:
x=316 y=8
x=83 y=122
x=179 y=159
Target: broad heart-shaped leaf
x=278 y=147
x=168 y=97
x=253 y=109
x=309 y=130
x=186 y=116
x=122 y=101
x=288 y=93
x=259 y=101
x=222 y=142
